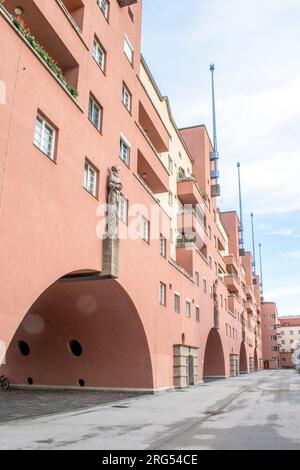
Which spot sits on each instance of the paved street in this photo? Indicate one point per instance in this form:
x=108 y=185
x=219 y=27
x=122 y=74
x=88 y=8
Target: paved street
x=261 y=411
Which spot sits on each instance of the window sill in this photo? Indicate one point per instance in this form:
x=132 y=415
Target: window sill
x=53 y=160
x=91 y=194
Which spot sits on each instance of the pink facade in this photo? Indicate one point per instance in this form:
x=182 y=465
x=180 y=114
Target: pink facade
x=63 y=323
x=270 y=342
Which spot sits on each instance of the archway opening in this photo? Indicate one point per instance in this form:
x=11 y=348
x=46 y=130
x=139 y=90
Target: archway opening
x=243 y=360
x=214 y=361
x=81 y=333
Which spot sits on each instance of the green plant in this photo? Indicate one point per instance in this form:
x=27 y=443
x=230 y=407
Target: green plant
x=41 y=51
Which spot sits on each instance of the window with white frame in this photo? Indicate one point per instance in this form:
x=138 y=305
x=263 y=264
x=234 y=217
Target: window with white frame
x=128 y=49
x=204 y=286
x=162 y=294
x=145 y=229
x=188 y=310
x=126 y=97
x=104 y=7
x=123 y=209
x=170 y=198
x=177 y=302
x=163 y=246
x=197 y=278
x=197 y=314
x=125 y=150
x=95 y=113
x=90 y=178
x=45 y=136
x=99 y=54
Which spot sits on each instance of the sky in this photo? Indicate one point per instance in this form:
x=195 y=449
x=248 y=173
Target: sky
x=255 y=47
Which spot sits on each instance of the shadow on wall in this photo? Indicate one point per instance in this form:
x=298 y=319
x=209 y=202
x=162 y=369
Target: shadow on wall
x=214 y=361
x=81 y=334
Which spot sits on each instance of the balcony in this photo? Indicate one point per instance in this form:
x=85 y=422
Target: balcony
x=189 y=193
x=74 y=11
x=232 y=283
x=152 y=125
x=40 y=36
x=149 y=164
x=249 y=307
x=191 y=224
x=230 y=260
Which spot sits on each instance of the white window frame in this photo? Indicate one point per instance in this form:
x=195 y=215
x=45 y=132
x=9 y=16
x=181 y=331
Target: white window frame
x=128 y=49
x=90 y=169
x=170 y=165
x=123 y=209
x=163 y=246
x=99 y=52
x=162 y=294
x=39 y=138
x=197 y=278
x=188 y=308
x=95 y=104
x=126 y=97
x=204 y=285
x=124 y=144
x=104 y=7
x=177 y=296
x=170 y=198
x=145 y=229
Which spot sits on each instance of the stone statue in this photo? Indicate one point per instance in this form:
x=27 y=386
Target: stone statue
x=114 y=188
x=216 y=303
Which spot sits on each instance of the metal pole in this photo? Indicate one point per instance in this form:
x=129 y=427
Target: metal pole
x=253 y=246
x=261 y=274
x=241 y=228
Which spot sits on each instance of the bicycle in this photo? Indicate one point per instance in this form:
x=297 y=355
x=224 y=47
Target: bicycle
x=4 y=383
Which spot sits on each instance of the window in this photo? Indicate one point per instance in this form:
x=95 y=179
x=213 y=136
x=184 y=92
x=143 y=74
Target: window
x=211 y=291
x=215 y=241
x=188 y=308
x=221 y=298
x=177 y=302
x=126 y=97
x=162 y=294
x=95 y=113
x=197 y=278
x=291 y=341
x=163 y=246
x=104 y=7
x=123 y=209
x=170 y=165
x=128 y=49
x=282 y=341
x=90 y=178
x=125 y=150
x=291 y=332
x=204 y=286
x=209 y=232
x=44 y=137
x=210 y=262
x=170 y=198
x=99 y=54
x=197 y=314
x=216 y=269
x=145 y=229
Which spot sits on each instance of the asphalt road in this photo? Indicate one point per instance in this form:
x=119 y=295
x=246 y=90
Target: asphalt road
x=258 y=411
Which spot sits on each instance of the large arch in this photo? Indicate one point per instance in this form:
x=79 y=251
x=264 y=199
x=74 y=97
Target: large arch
x=243 y=360
x=214 y=360
x=102 y=318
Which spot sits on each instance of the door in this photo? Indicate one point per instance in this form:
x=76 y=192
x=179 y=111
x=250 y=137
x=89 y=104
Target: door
x=191 y=370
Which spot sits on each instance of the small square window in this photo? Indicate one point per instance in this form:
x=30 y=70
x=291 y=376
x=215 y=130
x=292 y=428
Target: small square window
x=188 y=312
x=45 y=137
x=177 y=303
x=125 y=150
x=145 y=230
x=126 y=97
x=162 y=294
x=95 y=113
x=104 y=7
x=128 y=49
x=163 y=246
x=197 y=314
x=90 y=178
x=123 y=209
x=99 y=54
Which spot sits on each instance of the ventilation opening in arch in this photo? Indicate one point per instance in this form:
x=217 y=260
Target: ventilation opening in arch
x=29 y=380
x=75 y=347
x=81 y=382
x=24 y=348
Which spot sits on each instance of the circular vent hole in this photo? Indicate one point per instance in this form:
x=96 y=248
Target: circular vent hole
x=81 y=382
x=75 y=347
x=24 y=348
x=29 y=380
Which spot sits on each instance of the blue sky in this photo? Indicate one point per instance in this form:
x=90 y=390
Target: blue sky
x=255 y=47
